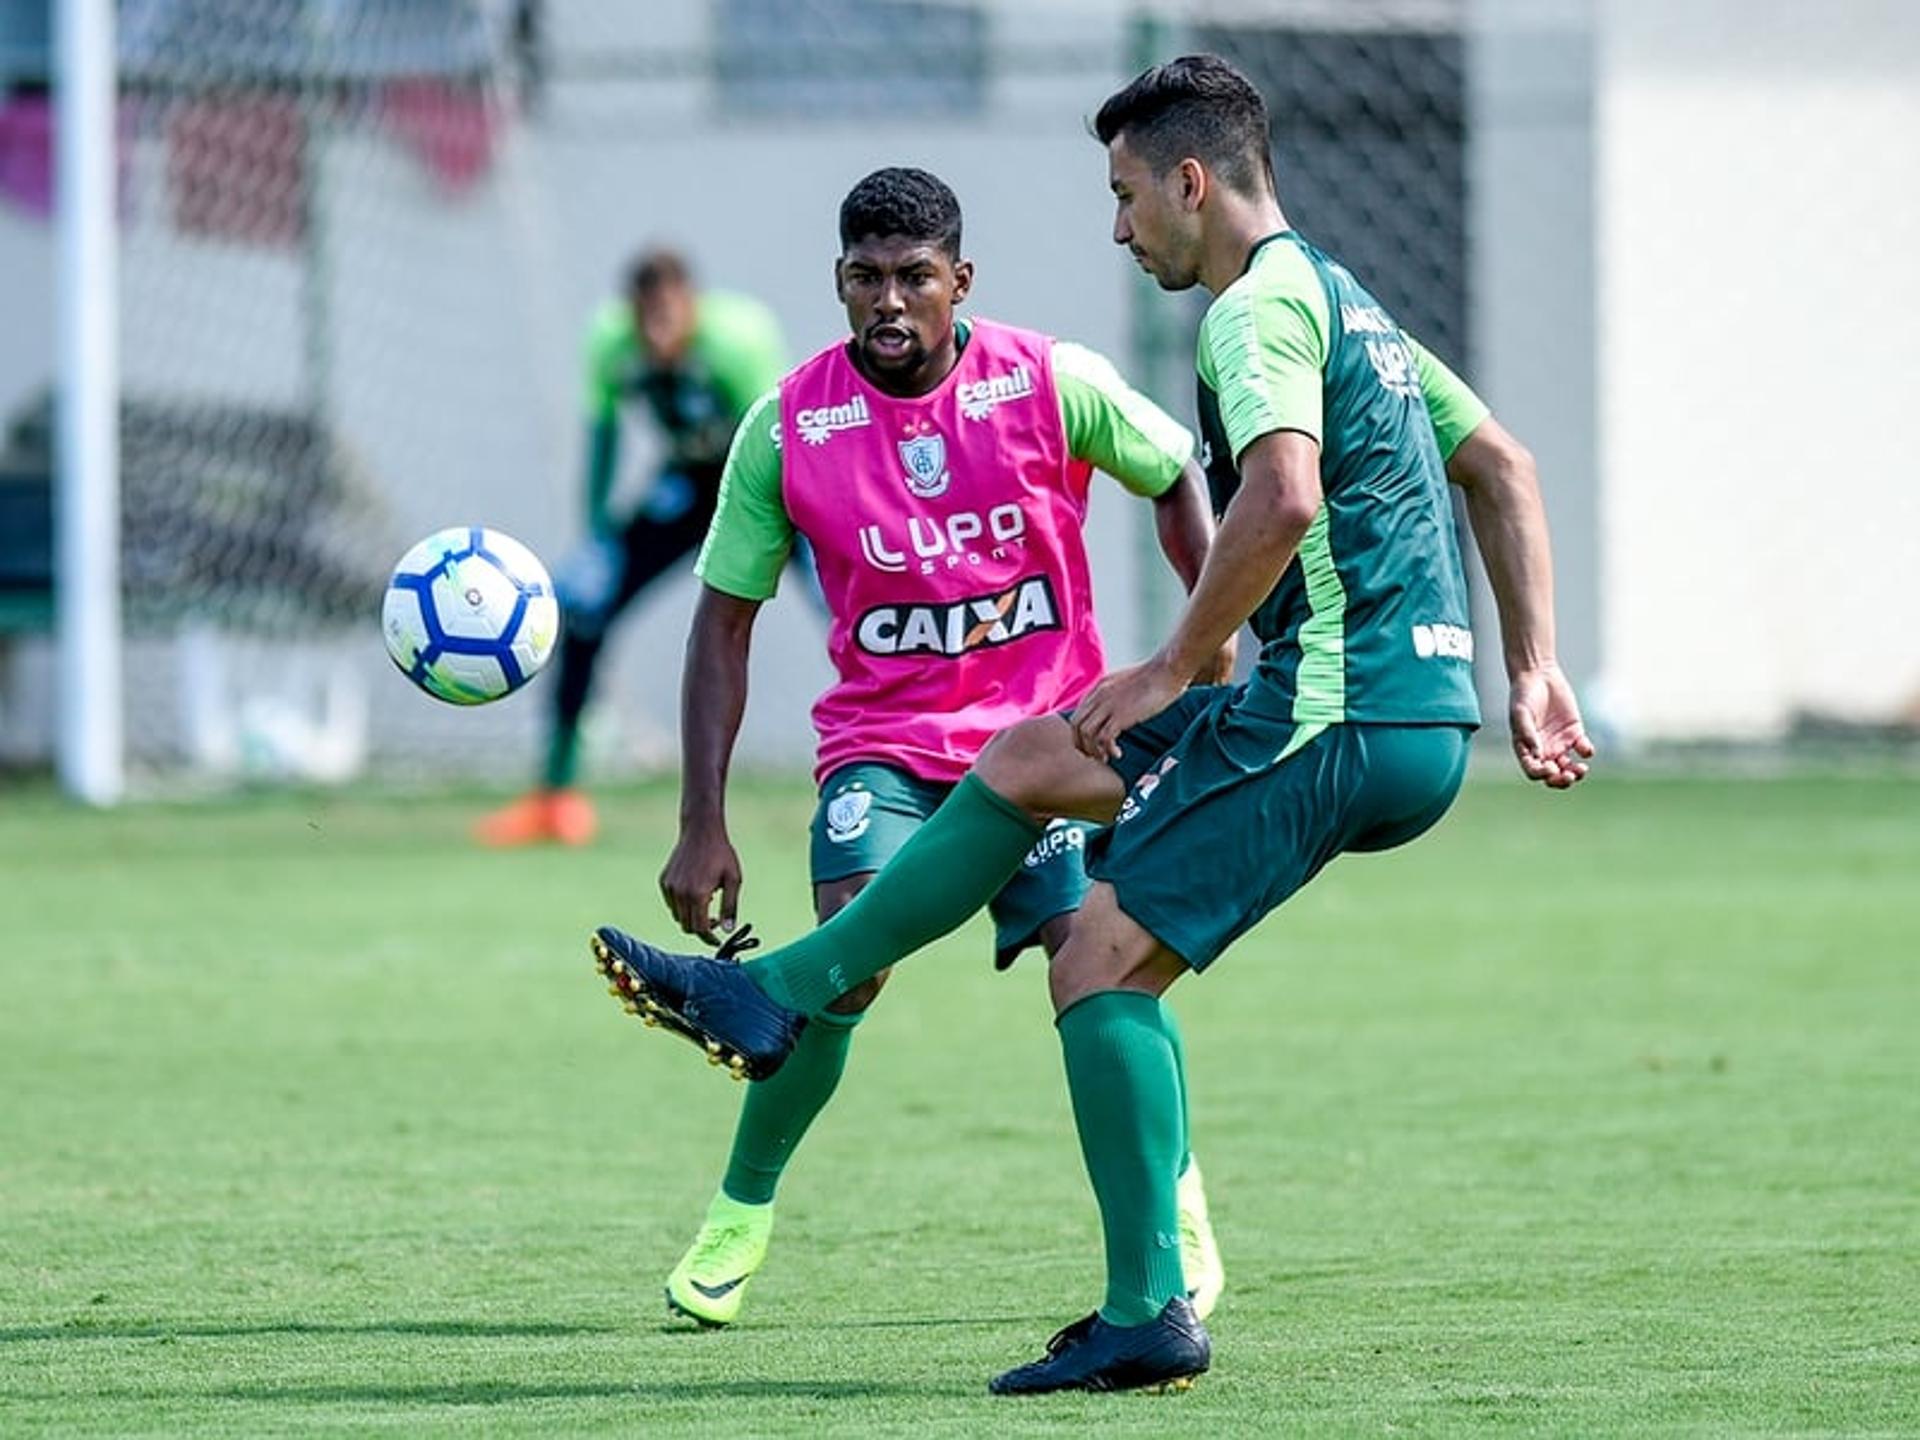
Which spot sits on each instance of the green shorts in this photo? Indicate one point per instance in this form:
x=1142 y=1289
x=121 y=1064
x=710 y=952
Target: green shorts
x=1229 y=811
x=866 y=812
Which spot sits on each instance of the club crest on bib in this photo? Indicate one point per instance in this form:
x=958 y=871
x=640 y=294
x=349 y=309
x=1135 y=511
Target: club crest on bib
x=925 y=458
x=847 y=817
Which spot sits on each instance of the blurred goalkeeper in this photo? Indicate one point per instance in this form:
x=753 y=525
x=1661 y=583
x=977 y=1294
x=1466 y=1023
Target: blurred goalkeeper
x=696 y=360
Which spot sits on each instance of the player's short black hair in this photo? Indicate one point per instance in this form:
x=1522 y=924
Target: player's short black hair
x=1198 y=106
x=904 y=202
x=652 y=271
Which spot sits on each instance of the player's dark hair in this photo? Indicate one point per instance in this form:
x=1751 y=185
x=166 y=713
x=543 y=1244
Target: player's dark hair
x=1199 y=107
x=901 y=202
x=652 y=271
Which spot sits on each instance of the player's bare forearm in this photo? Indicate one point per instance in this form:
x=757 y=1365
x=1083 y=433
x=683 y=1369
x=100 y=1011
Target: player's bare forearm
x=713 y=698
x=1258 y=537
x=1183 y=521
x=1509 y=520
x=1510 y=529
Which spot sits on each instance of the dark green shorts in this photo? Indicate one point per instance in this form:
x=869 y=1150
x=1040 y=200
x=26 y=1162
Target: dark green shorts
x=866 y=812
x=1229 y=811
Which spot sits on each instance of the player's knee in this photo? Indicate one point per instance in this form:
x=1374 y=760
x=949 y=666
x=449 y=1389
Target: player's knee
x=1075 y=974
x=861 y=996
x=830 y=897
x=1108 y=950
x=1016 y=763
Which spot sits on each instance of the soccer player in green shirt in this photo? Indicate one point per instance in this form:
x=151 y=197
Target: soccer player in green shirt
x=1336 y=543
x=694 y=359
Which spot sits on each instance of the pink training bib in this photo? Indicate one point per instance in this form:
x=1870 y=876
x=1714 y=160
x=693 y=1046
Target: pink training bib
x=948 y=532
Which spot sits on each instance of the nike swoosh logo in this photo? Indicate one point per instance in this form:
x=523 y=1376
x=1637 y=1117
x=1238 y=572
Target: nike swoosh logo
x=721 y=1291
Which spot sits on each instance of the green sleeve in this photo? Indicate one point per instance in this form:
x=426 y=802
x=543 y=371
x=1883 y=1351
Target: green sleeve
x=603 y=453
x=1111 y=425
x=1456 y=411
x=1263 y=350
x=747 y=543
x=609 y=350
x=611 y=345
x=741 y=343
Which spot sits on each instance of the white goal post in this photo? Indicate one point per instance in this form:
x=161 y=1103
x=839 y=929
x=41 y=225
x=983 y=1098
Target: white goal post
x=88 y=745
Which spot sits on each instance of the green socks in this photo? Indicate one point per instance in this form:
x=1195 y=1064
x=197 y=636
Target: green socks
x=1124 y=1074
x=778 y=1110
x=952 y=866
x=563 y=755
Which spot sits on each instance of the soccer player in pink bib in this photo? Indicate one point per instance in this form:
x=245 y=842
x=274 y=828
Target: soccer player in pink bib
x=940 y=470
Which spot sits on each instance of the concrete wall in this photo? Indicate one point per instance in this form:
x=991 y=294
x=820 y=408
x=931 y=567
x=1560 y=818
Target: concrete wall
x=1693 y=224
x=1758 y=217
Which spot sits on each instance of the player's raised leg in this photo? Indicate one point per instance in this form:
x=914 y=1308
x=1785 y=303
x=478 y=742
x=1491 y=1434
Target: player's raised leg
x=749 y=1016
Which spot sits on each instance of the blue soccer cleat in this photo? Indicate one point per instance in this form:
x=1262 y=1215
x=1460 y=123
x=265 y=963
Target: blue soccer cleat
x=707 y=999
x=1164 y=1354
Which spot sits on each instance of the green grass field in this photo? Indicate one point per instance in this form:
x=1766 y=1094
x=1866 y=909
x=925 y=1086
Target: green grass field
x=1588 y=1114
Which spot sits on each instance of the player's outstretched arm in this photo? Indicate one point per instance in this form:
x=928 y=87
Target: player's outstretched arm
x=1502 y=487
x=713 y=697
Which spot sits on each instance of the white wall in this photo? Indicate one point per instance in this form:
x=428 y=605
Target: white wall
x=1760 y=500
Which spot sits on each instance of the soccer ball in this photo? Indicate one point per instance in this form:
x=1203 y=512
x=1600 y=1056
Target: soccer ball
x=470 y=615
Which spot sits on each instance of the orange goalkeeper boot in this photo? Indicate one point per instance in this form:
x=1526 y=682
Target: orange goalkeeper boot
x=570 y=817
x=563 y=815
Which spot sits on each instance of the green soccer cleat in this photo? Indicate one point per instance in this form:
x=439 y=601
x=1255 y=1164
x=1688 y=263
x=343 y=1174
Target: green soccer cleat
x=710 y=1281
x=1199 y=1256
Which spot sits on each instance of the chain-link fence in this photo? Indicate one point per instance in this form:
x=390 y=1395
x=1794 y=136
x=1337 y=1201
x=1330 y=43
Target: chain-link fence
x=360 y=240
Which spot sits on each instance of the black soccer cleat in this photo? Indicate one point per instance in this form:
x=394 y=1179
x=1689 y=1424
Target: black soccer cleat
x=1165 y=1354
x=707 y=999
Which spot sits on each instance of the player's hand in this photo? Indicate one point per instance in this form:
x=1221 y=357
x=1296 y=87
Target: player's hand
x=702 y=865
x=1548 y=739
x=1120 y=701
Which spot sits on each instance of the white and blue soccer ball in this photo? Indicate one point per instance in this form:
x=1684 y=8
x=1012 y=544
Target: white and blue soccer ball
x=470 y=615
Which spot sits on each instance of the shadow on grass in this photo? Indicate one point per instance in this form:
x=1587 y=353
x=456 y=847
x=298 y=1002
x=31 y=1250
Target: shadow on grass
x=507 y=1392
x=160 y=1330
x=84 y=1329
x=931 y=1322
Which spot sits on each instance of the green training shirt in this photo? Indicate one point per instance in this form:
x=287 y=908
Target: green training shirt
x=735 y=354
x=1108 y=424
x=1370 y=621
